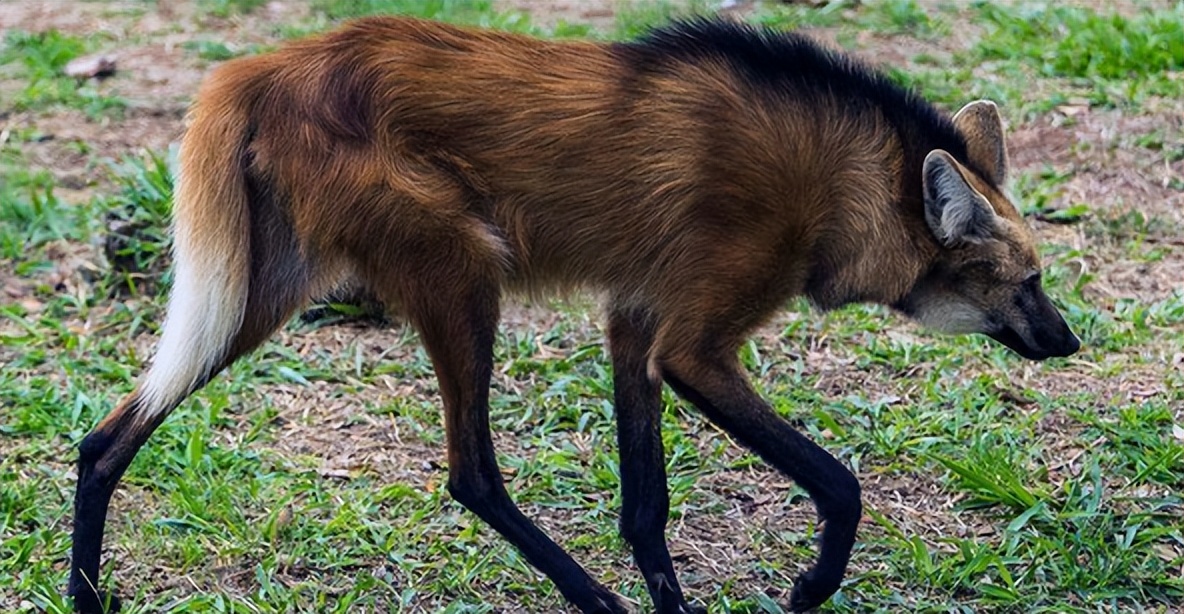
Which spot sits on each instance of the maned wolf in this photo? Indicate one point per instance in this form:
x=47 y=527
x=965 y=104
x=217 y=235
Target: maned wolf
x=696 y=178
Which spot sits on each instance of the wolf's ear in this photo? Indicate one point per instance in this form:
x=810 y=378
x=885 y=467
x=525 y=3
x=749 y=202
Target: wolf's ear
x=954 y=210
x=980 y=124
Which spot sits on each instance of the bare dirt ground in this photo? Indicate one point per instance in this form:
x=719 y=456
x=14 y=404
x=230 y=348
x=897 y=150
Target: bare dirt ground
x=157 y=76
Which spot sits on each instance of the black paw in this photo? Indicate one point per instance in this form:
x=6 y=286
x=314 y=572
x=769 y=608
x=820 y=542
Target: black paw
x=668 y=598
x=88 y=602
x=809 y=592
x=675 y=604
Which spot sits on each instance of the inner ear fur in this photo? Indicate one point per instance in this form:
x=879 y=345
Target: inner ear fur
x=955 y=212
x=981 y=125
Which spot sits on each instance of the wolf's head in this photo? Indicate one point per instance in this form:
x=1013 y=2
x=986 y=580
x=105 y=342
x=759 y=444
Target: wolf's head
x=985 y=277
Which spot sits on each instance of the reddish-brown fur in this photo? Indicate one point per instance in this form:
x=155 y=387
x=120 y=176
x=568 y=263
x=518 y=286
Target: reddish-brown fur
x=445 y=167
x=393 y=140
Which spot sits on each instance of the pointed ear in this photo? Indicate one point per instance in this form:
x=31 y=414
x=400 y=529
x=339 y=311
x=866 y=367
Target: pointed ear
x=954 y=210
x=982 y=127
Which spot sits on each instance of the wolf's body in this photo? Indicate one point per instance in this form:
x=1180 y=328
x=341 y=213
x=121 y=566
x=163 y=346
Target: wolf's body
x=697 y=179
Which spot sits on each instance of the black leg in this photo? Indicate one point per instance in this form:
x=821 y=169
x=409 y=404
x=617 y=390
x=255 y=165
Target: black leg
x=459 y=335
x=104 y=455
x=644 y=493
x=722 y=392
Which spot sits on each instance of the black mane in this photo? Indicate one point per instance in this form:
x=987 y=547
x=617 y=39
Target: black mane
x=780 y=63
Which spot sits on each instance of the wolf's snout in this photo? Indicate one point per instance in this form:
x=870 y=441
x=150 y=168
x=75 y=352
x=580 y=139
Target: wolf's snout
x=1067 y=345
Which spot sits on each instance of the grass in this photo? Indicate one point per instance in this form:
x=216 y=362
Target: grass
x=228 y=8
x=1073 y=52
x=1121 y=58
x=136 y=215
x=310 y=477
x=632 y=19
x=38 y=59
x=327 y=13
x=902 y=17
x=215 y=51
x=473 y=12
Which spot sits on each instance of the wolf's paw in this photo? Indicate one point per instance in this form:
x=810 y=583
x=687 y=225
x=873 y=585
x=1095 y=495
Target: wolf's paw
x=90 y=602
x=668 y=597
x=810 y=592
